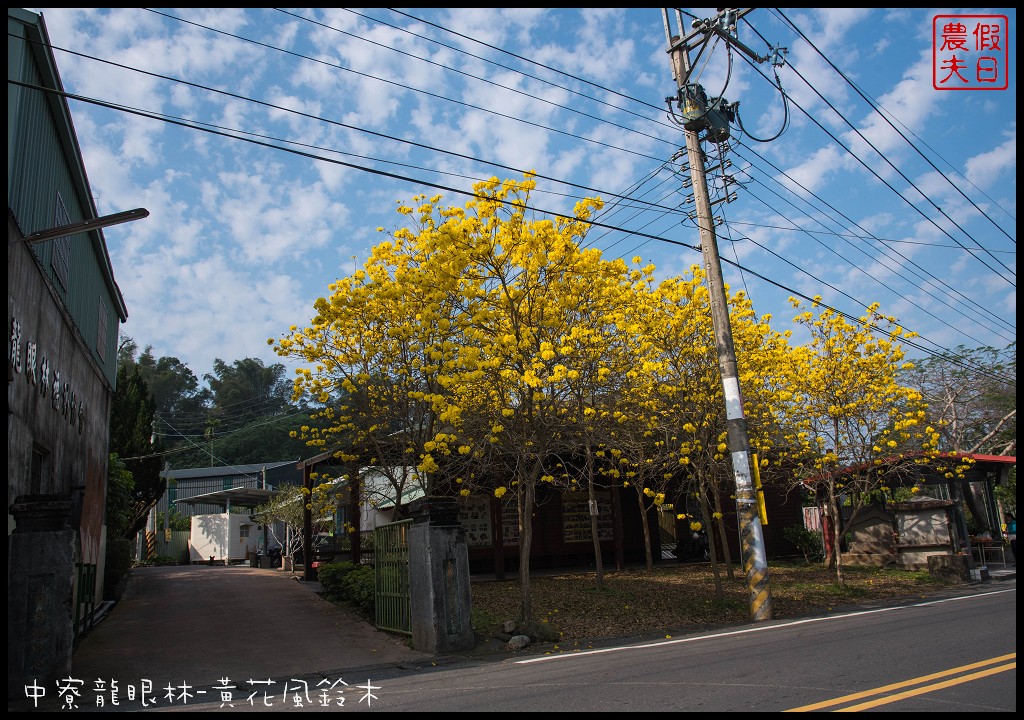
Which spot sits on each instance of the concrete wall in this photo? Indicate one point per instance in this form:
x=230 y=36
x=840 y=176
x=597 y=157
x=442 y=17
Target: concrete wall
x=58 y=404
x=923 y=528
x=872 y=532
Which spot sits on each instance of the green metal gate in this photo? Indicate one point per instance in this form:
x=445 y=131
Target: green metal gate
x=391 y=574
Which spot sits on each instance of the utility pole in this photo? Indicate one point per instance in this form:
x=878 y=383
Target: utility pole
x=712 y=118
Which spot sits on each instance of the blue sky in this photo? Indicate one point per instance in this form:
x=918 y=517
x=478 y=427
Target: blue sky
x=879 y=188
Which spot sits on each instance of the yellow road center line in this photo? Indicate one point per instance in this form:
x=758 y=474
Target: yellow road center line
x=904 y=683
x=928 y=688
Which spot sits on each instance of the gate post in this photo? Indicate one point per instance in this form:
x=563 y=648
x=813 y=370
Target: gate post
x=439 y=577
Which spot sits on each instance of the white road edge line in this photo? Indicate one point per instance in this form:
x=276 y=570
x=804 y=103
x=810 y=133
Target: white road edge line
x=744 y=631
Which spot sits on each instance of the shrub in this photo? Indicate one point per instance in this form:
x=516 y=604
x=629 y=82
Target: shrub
x=359 y=589
x=118 y=563
x=807 y=541
x=160 y=560
x=331 y=577
x=349 y=583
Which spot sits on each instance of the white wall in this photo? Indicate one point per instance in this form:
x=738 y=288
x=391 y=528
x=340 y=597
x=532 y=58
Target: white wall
x=220 y=536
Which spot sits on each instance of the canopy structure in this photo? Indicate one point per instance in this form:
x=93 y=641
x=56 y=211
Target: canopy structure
x=232 y=497
x=244 y=497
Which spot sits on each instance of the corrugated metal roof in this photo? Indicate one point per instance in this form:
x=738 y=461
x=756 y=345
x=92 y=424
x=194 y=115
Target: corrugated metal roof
x=253 y=469
x=239 y=497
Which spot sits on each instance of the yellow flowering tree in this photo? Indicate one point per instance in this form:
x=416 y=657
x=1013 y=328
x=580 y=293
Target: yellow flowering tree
x=382 y=348
x=470 y=346
x=693 y=405
x=690 y=399
x=849 y=420
x=533 y=295
x=641 y=449
x=599 y=355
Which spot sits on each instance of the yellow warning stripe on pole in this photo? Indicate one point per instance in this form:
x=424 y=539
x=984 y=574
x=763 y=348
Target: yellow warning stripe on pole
x=762 y=511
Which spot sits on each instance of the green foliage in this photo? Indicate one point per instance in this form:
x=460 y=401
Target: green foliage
x=175 y=521
x=349 y=583
x=245 y=416
x=250 y=383
x=331 y=576
x=120 y=495
x=118 y=561
x=807 y=542
x=161 y=560
x=266 y=439
x=131 y=435
x=359 y=588
x=175 y=390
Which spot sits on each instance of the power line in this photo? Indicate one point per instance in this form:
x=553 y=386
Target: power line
x=237 y=36
x=953 y=291
x=860 y=237
x=856 y=266
x=893 y=166
x=527 y=60
x=666 y=211
x=449 y=68
x=427 y=92
x=305 y=115
x=457 y=191
x=877 y=107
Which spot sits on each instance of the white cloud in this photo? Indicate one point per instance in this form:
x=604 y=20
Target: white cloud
x=241 y=238
x=812 y=173
x=986 y=169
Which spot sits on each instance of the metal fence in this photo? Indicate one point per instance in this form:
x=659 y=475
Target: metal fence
x=173 y=544
x=391 y=575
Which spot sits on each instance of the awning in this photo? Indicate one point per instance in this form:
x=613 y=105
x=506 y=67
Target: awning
x=232 y=497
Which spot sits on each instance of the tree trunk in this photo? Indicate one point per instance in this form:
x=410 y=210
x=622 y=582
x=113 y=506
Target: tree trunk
x=598 y=560
x=726 y=553
x=828 y=537
x=712 y=552
x=646 y=526
x=837 y=532
x=527 y=494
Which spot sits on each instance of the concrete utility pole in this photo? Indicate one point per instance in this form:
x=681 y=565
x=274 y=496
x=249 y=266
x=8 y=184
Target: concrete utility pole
x=712 y=117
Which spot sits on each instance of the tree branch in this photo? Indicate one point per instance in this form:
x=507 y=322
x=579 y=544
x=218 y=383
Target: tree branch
x=1006 y=418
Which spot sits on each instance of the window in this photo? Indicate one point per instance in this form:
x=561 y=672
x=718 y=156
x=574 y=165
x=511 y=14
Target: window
x=39 y=471
x=60 y=259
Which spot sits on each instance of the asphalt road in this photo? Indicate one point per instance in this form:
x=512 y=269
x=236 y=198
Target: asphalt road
x=189 y=627
x=237 y=639
x=955 y=654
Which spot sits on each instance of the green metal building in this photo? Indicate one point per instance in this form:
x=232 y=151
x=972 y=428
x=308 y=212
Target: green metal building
x=64 y=311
